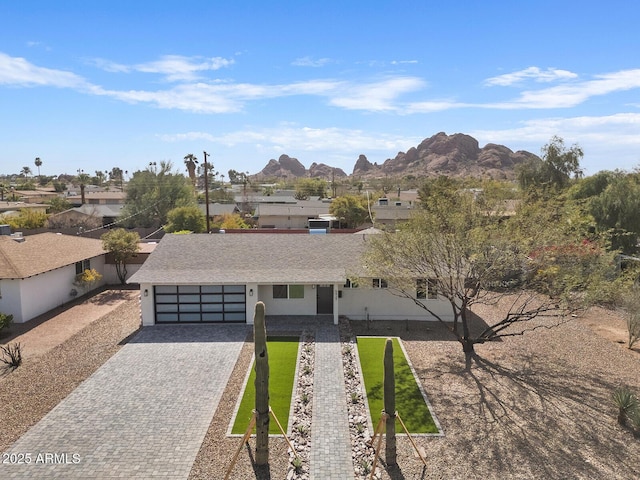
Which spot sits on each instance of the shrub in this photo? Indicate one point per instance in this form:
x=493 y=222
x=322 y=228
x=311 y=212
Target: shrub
x=88 y=279
x=5 y=320
x=626 y=402
x=11 y=355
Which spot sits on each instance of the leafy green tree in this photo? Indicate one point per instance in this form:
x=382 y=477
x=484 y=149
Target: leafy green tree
x=152 y=193
x=26 y=219
x=4 y=189
x=116 y=175
x=310 y=187
x=123 y=245
x=616 y=210
x=554 y=170
x=351 y=210
x=231 y=221
x=59 y=204
x=188 y=218
x=459 y=252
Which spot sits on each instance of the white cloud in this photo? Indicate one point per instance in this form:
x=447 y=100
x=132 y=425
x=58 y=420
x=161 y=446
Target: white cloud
x=532 y=73
x=291 y=138
x=403 y=62
x=570 y=95
x=376 y=96
x=175 y=68
x=18 y=71
x=606 y=140
x=310 y=62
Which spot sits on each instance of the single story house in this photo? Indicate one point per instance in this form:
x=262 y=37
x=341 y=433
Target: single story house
x=37 y=272
x=290 y=216
x=220 y=277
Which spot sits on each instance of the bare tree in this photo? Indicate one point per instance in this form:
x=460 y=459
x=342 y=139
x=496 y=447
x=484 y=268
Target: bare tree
x=455 y=251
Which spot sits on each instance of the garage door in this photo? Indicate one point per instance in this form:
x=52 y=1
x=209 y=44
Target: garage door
x=200 y=303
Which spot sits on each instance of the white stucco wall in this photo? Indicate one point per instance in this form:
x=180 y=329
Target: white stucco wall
x=29 y=297
x=381 y=304
x=111 y=275
x=147 y=310
x=288 y=306
x=10 y=302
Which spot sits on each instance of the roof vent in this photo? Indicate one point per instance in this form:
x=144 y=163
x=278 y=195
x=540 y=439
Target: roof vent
x=17 y=237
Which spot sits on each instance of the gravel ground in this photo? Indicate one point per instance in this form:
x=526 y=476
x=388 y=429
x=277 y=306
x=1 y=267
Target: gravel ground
x=536 y=406
x=28 y=393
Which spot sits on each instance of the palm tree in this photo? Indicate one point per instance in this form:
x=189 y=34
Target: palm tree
x=25 y=172
x=190 y=161
x=82 y=179
x=38 y=163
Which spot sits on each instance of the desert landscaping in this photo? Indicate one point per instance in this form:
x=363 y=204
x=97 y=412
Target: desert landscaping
x=532 y=406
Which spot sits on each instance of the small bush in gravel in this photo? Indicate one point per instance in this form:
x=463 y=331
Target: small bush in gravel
x=626 y=402
x=11 y=355
x=5 y=320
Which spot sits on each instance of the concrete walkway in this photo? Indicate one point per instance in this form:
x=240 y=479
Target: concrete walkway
x=330 y=457
x=330 y=440
x=143 y=414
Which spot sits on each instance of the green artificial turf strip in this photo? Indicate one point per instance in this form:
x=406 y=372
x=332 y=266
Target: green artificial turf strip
x=410 y=403
x=283 y=355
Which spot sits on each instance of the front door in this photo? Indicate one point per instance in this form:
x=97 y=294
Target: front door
x=324 y=299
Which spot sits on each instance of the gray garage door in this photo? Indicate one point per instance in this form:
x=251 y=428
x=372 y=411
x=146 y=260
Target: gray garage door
x=200 y=303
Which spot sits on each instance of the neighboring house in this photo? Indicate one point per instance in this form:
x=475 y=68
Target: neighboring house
x=217 y=210
x=11 y=208
x=97 y=197
x=390 y=214
x=37 y=272
x=290 y=216
x=86 y=216
x=219 y=278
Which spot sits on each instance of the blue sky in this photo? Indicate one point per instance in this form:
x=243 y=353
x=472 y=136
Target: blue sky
x=97 y=84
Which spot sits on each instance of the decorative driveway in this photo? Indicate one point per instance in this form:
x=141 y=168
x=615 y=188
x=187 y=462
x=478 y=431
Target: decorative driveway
x=143 y=414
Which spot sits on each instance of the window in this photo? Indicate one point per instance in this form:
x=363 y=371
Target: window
x=379 y=283
x=351 y=283
x=280 y=291
x=426 y=289
x=296 y=291
x=288 y=291
x=82 y=266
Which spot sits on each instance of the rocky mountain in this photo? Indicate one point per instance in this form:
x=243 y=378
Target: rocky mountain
x=288 y=167
x=456 y=155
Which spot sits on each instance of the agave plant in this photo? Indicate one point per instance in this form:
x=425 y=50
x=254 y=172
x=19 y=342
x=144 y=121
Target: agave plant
x=626 y=402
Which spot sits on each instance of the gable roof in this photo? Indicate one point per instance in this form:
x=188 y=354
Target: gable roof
x=244 y=258
x=44 y=252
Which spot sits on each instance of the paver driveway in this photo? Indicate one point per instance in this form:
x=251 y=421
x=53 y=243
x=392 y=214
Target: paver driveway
x=143 y=414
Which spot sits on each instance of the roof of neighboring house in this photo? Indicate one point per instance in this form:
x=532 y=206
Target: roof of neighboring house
x=44 y=252
x=216 y=209
x=111 y=195
x=300 y=209
x=240 y=259
x=391 y=212
x=96 y=210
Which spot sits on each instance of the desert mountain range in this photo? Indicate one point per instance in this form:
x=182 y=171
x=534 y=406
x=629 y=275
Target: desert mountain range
x=456 y=155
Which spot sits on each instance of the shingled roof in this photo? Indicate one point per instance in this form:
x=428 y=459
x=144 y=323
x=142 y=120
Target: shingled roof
x=246 y=258
x=44 y=252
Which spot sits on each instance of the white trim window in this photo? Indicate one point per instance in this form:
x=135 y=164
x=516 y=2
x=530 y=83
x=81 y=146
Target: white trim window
x=380 y=283
x=426 y=289
x=288 y=291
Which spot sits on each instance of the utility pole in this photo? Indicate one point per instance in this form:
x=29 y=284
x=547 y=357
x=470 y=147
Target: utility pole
x=206 y=190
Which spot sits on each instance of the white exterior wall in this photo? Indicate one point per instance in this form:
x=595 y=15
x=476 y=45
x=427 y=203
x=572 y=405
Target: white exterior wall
x=288 y=306
x=381 y=304
x=10 y=302
x=111 y=275
x=29 y=297
x=147 y=310
x=252 y=300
